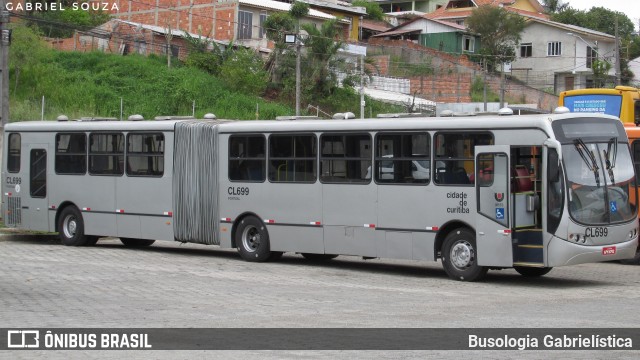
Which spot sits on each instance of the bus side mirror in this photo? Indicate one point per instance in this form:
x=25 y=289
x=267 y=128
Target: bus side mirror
x=636 y=112
x=553 y=166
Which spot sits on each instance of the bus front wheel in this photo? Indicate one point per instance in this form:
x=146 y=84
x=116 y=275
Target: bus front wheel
x=71 y=227
x=532 y=271
x=459 y=256
x=252 y=240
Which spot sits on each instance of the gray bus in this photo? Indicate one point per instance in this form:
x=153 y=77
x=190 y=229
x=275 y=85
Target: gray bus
x=526 y=192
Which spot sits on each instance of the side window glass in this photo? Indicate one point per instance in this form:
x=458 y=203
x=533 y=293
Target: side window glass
x=247 y=158
x=13 y=157
x=345 y=158
x=145 y=154
x=292 y=158
x=454 y=154
x=38 y=173
x=106 y=154
x=402 y=158
x=71 y=154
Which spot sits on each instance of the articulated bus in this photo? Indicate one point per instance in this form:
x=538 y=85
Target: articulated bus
x=527 y=192
x=622 y=102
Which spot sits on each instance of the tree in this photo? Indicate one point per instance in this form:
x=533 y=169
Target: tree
x=243 y=71
x=27 y=51
x=554 y=6
x=322 y=46
x=499 y=31
x=597 y=18
x=374 y=11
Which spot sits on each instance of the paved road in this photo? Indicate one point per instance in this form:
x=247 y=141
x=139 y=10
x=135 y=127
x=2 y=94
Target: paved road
x=45 y=284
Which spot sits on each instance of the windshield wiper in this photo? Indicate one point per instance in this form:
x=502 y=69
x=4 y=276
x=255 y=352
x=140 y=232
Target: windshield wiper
x=588 y=158
x=610 y=161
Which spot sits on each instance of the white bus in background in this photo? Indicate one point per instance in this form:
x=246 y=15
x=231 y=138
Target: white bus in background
x=525 y=192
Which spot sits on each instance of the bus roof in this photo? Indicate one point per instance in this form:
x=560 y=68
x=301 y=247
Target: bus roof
x=463 y=123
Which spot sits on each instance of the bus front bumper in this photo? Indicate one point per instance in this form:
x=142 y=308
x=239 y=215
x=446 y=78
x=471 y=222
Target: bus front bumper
x=562 y=252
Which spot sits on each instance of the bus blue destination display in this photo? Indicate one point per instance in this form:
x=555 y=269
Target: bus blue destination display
x=602 y=104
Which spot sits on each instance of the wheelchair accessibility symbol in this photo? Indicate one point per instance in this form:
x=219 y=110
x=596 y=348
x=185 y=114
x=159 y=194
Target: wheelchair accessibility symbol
x=499 y=213
x=613 y=206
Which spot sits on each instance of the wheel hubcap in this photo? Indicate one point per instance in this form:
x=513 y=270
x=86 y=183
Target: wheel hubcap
x=70 y=226
x=251 y=239
x=462 y=254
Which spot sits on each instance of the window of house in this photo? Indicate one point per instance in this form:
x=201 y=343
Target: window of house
x=402 y=158
x=71 y=154
x=263 y=31
x=292 y=158
x=106 y=154
x=554 y=48
x=592 y=55
x=454 y=156
x=345 y=158
x=468 y=44
x=247 y=158
x=526 y=50
x=245 y=23
x=145 y=154
x=13 y=159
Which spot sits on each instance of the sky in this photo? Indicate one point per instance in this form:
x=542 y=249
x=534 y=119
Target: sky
x=631 y=8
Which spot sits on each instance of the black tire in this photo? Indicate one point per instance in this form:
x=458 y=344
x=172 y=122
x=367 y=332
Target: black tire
x=532 y=271
x=459 y=256
x=129 y=242
x=318 y=257
x=71 y=227
x=634 y=260
x=252 y=240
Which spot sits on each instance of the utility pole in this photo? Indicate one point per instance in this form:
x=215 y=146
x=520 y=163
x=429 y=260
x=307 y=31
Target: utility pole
x=361 y=86
x=5 y=41
x=298 y=46
x=618 y=72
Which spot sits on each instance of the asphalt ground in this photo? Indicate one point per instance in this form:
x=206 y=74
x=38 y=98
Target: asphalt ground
x=44 y=284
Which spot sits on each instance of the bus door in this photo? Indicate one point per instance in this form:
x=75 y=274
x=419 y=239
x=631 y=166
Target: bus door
x=493 y=230
x=34 y=197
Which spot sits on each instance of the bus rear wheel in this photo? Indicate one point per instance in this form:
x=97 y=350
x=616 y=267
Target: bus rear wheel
x=129 y=242
x=459 y=256
x=532 y=271
x=71 y=227
x=252 y=240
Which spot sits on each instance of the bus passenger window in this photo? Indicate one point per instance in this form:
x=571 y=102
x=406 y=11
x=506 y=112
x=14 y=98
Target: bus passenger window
x=145 y=154
x=402 y=159
x=292 y=158
x=13 y=159
x=247 y=158
x=71 y=154
x=636 y=112
x=106 y=154
x=345 y=158
x=454 y=154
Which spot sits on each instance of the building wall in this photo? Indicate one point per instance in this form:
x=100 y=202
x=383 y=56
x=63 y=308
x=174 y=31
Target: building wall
x=549 y=72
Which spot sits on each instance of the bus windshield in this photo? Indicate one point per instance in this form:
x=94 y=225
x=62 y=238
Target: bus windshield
x=594 y=103
x=599 y=177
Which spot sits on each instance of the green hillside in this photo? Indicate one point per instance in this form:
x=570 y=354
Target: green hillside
x=93 y=83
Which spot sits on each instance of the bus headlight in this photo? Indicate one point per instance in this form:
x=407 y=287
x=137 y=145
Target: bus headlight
x=633 y=233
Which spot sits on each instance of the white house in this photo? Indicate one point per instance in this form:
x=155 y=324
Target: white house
x=559 y=57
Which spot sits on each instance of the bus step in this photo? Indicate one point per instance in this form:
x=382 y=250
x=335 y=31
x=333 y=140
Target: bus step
x=368 y=257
